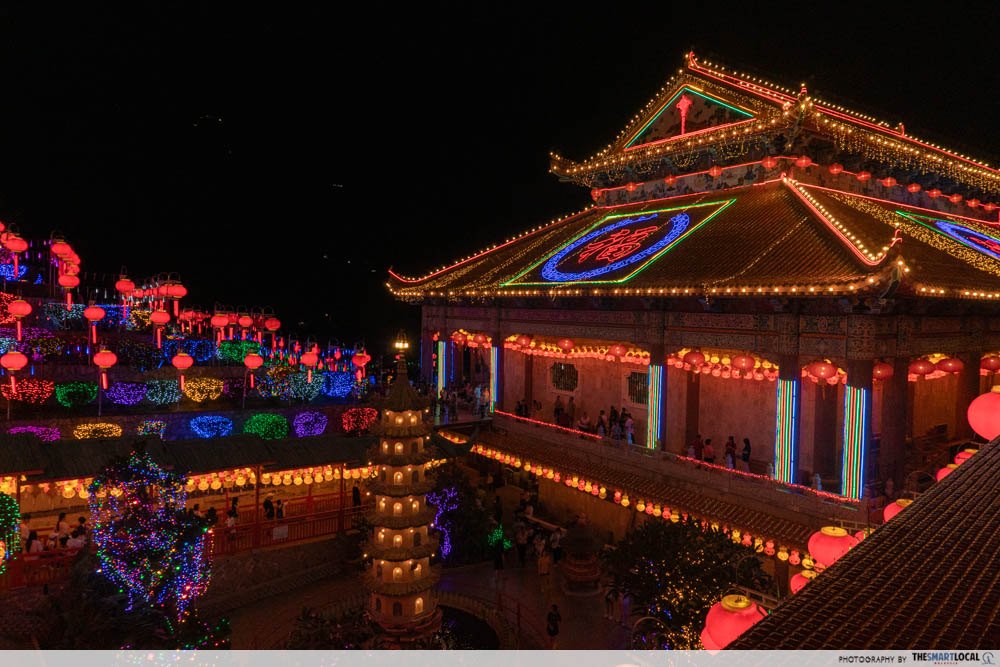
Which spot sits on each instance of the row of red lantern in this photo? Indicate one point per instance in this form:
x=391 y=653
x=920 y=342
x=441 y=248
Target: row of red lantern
x=616 y=352
x=68 y=265
x=471 y=340
x=741 y=366
x=16 y=245
x=805 y=162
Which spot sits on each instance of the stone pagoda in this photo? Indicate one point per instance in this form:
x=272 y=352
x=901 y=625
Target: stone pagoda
x=400 y=576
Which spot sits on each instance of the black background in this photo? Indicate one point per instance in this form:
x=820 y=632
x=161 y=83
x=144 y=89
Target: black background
x=285 y=156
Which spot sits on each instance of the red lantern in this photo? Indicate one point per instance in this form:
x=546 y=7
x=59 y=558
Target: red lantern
x=71 y=269
x=950 y=365
x=836 y=168
x=272 y=324
x=830 y=543
x=728 y=619
x=176 y=291
x=253 y=361
x=13 y=362
x=803 y=162
x=973 y=203
x=104 y=360
x=921 y=367
x=882 y=371
x=525 y=341
x=744 y=362
x=945 y=471
x=458 y=337
x=863 y=175
x=800 y=580
x=595 y=194
x=182 y=361
x=888 y=181
x=60 y=248
x=480 y=339
x=566 y=344
x=913 y=188
x=769 y=162
x=93 y=314
x=68 y=282
x=125 y=286
x=990 y=363
x=964 y=456
x=822 y=370
x=955 y=198
x=715 y=171
x=15 y=243
x=309 y=360
x=159 y=317
x=933 y=193
x=631 y=187
x=19 y=308
x=892 y=509
x=694 y=358
x=989 y=207
x=219 y=321
x=245 y=321
x=670 y=179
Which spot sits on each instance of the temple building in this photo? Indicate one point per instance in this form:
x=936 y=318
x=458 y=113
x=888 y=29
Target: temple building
x=757 y=263
x=400 y=575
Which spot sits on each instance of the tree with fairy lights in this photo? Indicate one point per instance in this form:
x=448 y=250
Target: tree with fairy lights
x=675 y=571
x=147 y=543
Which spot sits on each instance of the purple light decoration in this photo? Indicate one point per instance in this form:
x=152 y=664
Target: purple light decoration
x=43 y=433
x=309 y=423
x=445 y=501
x=126 y=393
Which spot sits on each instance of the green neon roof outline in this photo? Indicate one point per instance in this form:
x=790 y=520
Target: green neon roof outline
x=914 y=216
x=725 y=203
x=664 y=108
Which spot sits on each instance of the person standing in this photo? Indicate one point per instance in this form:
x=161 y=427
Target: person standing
x=356 y=495
x=629 y=429
x=552 y=624
x=697 y=445
x=268 y=506
x=709 y=452
x=612 y=417
x=745 y=463
x=484 y=402
x=730 y=455
x=521 y=540
x=571 y=410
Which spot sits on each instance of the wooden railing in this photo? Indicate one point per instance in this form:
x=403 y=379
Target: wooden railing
x=46 y=567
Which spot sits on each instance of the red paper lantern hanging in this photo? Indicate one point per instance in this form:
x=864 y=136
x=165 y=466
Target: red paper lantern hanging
x=694 y=358
x=770 y=162
x=93 y=314
x=913 y=188
x=631 y=187
x=68 y=282
x=863 y=175
x=565 y=344
x=617 y=350
x=104 y=360
x=822 y=370
x=480 y=339
x=945 y=471
x=933 y=193
x=715 y=171
x=973 y=203
x=182 y=361
x=309 y=360
x=13 y=362
x=892 y=509
x=882 y=371
x=950 y=365
x=245 y=321
x=670 y=179
x=955 y=198
x=990 y=363
x=124 y=286
x=728 y=619
x=888 y=181
x=524 y=341
x=803 y=162
x=744 y=362
x=836 y=168
x=800 y=580
x=921 y=367
x=830 y=543
x=60 y=248
x=19 y=308
x=595 y=194
x=458 y=337
x=965 y=455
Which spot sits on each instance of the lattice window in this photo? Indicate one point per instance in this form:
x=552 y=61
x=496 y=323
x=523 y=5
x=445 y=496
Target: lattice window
x=638 y=388
x=564 y=377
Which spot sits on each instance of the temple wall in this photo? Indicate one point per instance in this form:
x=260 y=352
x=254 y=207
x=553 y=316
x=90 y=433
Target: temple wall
x=739 y=408
x=606 y=518
x=513 y=379
x=676 y=396
x=934 y=404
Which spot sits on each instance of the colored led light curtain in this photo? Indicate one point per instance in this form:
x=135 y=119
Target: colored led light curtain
x=442 y=375
x=152 y=427
x=855 y=441
x=337 y=384
x=43 y=433
x=494 y=375
x=786 y=429
x=654 y=405
x=267 y=426
x=309 y=423
x=211 y=426
x=126 y=393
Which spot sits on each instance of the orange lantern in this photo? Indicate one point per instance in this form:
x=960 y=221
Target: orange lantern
x=19 y=308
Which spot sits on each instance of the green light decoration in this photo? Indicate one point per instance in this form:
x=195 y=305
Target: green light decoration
x=75 y=394
x=235 y=351
x=496 y=538
x=267 y=426
x=10 y=534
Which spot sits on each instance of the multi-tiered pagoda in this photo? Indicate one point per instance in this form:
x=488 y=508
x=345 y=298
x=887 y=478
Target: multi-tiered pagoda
x=401 y=576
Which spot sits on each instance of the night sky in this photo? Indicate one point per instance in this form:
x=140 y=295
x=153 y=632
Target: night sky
x=286 y=157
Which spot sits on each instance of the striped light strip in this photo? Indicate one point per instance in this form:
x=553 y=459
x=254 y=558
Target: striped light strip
x=786 y=423
x=442 y=361
x=494 y=370
x=855 y=441
x=654 y=405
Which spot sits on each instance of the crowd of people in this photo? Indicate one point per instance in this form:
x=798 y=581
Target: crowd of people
x=475 y=398
x=63 y=536
x=614 y=424
x=731 y=456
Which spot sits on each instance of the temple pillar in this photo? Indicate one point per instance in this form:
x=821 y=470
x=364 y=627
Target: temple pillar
x=788 y=408
x=966 y=391
x=857 y=428
x=427 y=349
x=458 y=367
x=895 y=396
x=691 y=407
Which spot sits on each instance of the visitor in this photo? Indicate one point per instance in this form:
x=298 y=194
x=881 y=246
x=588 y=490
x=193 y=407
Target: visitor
x=279 y=510
x=75 y=540
x=709 y=452
x=584 y=423
x=557 y=551
x=612 y=417
x=497 y=509
x=484 y=403
x=616 y=433
x=571 y=411
x=537 y=415
x=521 y=542
x=552 y=624
x=33 y=545
x=626 y=603
x=231 y=519
x=602 y=425
x=544 y=564
x=557 y=409
x=697 y=445
x=25 y=529
x=356 y=495
x=745 y=463
x=268 y=506
x=196 y=510
x=730 y=455
x=62 y=525
x=211 y=516
x=629 y=429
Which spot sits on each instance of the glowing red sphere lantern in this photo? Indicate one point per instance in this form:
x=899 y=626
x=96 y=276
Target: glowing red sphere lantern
x=480 y=339
x=913 y=188
x=595 y=194
x=93 y=314
x=882 y=371
x=803 y=162
x=19 y=308
x=921 y=367
x=458 y=338
x=272 y=324
x=836 y=168
x=933 y=193
x=894 y=508
x=218 y=322
x=863 y=176
x=60 y=248
x=888 y=182
x=950 y=365
x=830 y=543
x=990 y=363
x=728 y=619
x=631 y=187
x=252 y=361
x=770 y=162
x=360 y=359
x=669 y=179
x=182 y=361
x=104 y=360
x=822 y=370
x=159 y=318
x=955 y=198
x=715 y=171
x=744 y=362
x=800 y=580
x=16 y=245
x=13 y=362
x=617 y=350
x=964 y=456
x=524 y=341
x=694 y=358
x=565 y=344
x=945 y=471
x=176 y=292
x=309 y=360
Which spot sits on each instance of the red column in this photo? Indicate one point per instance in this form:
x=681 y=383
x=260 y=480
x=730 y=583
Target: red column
x=256 y=510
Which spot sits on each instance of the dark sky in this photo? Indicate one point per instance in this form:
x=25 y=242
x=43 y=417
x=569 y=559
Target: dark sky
x=285 y=156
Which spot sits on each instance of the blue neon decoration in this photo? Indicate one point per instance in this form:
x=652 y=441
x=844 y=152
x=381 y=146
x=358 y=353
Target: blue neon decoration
x=550 y=272
x=211 y=426
x=337 y=384
x=984 y=243
x=7 y=271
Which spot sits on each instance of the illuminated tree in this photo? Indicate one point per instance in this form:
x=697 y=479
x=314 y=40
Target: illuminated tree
x=148 y=545
x=675 y=572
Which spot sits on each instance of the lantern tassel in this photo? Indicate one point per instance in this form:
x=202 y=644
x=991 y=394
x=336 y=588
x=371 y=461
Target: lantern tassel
x=18 y=330
x=104 y=380
x=16 y=272
x=177 y=305
x=69 y=301
x=309 y=376
x=251 y=380
x=93 y=332
x=182 y=381
x=159 y=339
